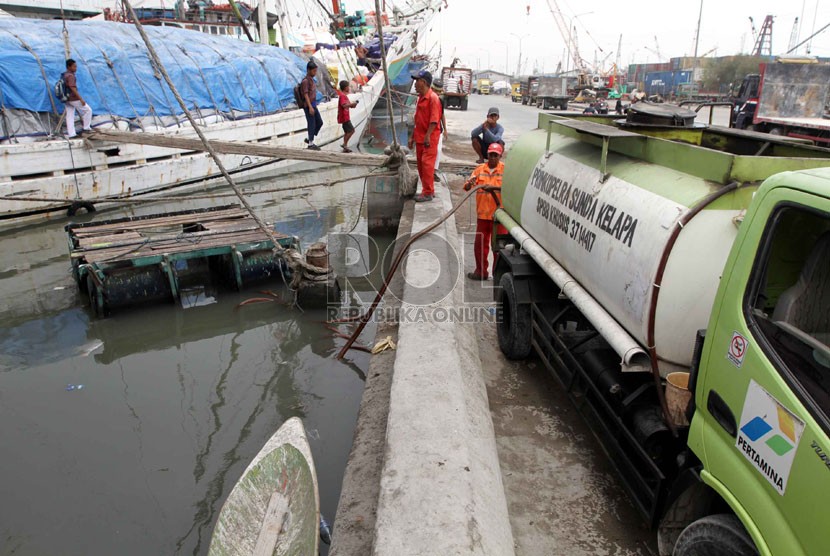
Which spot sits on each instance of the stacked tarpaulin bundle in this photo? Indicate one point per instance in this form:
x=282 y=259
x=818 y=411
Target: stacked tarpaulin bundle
x=373 y=46
x=218 y=77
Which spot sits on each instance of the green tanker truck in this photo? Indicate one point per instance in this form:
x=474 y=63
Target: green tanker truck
x=675 y=279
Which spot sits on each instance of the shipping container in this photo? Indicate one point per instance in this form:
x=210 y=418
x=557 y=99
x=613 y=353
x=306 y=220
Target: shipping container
x=665 y=83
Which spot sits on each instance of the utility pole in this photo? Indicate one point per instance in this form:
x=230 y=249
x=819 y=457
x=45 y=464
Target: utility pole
x=519 y=64
x=697 y=33
x=281 y=15
x=262 y=17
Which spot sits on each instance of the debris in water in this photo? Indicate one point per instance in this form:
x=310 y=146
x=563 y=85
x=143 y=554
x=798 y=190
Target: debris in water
x=325 y=530
x=383 y=345
x=88 y=348
x=59 y=288
x=256 y=300
x=71 y=387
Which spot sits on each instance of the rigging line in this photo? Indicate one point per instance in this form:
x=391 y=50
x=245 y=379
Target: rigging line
x=238 y=77
x=268 y=231
x=154 y=64
x=201 y=74
x=65 y=33
x=42 y=70
x=111 y=66
x=379 y=24
x=102 y=97
x=74 y=173
x=186 y=79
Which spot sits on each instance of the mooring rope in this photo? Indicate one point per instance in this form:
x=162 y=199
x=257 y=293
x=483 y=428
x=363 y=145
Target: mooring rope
x=363 y=319
x=142 y=199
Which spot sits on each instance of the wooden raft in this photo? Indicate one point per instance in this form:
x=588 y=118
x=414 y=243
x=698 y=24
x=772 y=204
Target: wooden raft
x=115 y=261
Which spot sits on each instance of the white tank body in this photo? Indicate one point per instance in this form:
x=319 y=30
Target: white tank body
x=611 y=235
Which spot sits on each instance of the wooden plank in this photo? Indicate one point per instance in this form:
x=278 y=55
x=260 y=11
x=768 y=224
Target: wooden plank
x=179 y=236
x=89 y=241
x=172 y=244
x=258 y=149
x=238 y=147
x=161 y=222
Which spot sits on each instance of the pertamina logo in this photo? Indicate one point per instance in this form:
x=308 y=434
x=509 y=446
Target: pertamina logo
x=768 y=436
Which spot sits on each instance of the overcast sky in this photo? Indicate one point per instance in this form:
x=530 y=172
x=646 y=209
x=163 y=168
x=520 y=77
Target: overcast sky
x=485 y=33
x=472 y=29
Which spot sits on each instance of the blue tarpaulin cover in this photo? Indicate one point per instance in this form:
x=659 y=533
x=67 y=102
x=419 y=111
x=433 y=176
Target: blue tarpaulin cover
x=373 y=46
x=116 y=76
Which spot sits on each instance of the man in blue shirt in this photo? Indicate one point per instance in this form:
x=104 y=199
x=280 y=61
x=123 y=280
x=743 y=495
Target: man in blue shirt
x=489 y=132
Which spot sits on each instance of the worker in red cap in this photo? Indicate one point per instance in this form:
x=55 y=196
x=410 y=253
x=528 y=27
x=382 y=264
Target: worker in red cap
x=426 y=134
x=490 y=174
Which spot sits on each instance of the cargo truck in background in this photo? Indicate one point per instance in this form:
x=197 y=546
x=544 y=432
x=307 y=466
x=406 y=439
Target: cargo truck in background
x=677 y=286
x=483 y=86
x=516 y=92
x=552 y=92
x=457 y=85
x=788 y=98
x=530 y=90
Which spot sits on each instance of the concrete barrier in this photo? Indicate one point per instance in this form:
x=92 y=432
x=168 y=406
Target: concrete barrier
x=441 y=490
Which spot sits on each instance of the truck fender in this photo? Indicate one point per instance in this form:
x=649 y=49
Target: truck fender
x=688 y=500
x=531 y=284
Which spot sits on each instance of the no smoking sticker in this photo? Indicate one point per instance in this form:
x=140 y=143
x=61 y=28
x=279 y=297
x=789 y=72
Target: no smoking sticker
x=737 y=349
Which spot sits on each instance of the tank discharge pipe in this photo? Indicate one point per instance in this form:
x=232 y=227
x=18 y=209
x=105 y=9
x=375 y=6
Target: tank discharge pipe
x=633 y=357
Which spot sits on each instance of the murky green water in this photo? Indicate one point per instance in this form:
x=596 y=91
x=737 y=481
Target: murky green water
x=175 y=402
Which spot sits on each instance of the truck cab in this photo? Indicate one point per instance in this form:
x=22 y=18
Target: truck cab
x=762 y=389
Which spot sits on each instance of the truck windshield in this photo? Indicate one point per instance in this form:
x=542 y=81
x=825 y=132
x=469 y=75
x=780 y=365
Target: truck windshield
x=791 y=300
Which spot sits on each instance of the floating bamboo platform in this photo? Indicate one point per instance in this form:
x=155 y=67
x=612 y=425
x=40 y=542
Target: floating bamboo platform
x=154 y=258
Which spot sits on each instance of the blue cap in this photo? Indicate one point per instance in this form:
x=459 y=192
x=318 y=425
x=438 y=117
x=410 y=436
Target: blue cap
x=423 y=74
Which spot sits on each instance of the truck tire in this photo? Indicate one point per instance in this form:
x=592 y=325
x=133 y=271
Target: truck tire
x=513 y=327
x=464 y=103
x=77 y=206
x=715 y=535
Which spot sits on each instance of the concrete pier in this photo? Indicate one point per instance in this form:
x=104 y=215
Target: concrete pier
x=456 y=449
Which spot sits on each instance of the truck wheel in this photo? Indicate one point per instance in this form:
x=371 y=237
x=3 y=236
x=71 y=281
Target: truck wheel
x=513 y=326
x=464 y=104
x=715 y=535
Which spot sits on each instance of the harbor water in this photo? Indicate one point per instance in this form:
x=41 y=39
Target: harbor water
x=124 y=435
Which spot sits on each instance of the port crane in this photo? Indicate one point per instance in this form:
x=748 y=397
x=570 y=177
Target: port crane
x=568 y=32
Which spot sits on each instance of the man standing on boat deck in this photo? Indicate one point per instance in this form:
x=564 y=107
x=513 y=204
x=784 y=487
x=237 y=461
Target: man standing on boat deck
x=343 y=117
x=491 y=131
x=75 y=102
x=426 y=133
x=308 y=89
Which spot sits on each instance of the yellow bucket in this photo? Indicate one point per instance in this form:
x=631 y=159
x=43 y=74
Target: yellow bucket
x=677 y=397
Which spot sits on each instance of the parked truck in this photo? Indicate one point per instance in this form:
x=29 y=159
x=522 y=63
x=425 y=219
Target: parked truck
x=677 y=286
x=787 y=97
x=530 y=90
x=457 y=85
x=552 y=92
x=516 y=92
x=483 y=86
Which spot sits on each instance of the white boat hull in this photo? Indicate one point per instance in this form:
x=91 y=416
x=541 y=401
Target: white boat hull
x=71 y=172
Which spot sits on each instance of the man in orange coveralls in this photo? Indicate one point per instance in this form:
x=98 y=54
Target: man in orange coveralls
x=426 y=134
x=490 y=173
